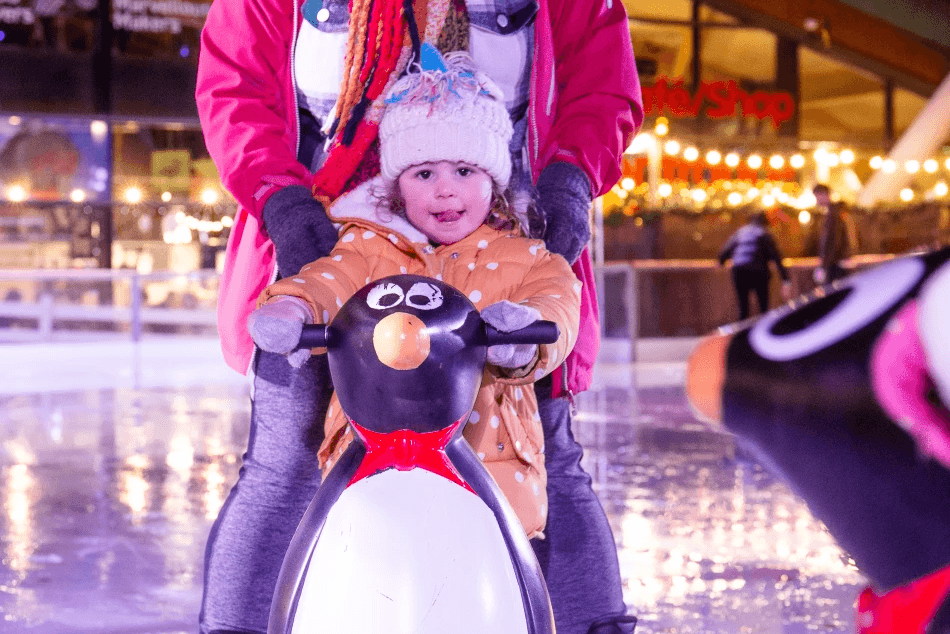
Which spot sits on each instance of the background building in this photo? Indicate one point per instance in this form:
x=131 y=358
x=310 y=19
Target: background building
x=102 y=162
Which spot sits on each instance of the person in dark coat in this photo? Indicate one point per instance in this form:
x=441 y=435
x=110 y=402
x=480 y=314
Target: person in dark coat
x=834 y=243
x=751 y=248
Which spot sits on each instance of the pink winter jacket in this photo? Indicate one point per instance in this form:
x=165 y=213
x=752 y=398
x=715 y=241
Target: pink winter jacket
x=583 y=110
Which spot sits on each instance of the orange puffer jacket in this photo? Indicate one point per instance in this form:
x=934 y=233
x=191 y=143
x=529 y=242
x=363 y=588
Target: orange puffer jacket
x=488 y=266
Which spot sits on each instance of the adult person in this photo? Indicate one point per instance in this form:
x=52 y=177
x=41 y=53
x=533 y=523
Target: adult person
x=834 y=240
x=289 y=99
x=751 y=248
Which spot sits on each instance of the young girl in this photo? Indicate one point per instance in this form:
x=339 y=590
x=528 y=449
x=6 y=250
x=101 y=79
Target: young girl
x=438 y=210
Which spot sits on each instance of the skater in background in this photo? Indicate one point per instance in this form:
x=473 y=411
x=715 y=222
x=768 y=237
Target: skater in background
x=835 y=238
x=289 y=103
x=751 y=248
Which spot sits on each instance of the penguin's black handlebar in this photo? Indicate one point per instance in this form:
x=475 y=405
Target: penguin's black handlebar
x=317 y=335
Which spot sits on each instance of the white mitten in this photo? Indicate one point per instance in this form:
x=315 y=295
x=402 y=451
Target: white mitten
x=507 y=317
x=276 y=327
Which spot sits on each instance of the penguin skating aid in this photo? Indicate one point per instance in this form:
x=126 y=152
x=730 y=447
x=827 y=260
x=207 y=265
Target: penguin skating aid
x=408 y=532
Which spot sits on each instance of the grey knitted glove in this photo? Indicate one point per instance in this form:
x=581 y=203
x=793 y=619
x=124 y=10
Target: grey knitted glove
x=507 y=316
x=276 y=327
x=299 y=228
x=563 y=197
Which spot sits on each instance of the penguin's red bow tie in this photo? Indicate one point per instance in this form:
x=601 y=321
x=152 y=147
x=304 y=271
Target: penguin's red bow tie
x=404 y=450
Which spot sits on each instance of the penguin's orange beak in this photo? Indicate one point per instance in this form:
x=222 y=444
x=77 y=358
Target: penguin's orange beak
x=401 y=341
x=705 y=377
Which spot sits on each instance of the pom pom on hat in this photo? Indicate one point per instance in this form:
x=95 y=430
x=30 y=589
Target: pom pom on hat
x=445 y=110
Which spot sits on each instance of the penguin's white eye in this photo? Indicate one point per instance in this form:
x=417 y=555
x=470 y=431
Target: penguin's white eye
x=384 y=296
x=859 y=300
x=424 y=296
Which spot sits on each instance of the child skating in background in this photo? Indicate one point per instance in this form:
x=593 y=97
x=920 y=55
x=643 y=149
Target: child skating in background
x=438 y=209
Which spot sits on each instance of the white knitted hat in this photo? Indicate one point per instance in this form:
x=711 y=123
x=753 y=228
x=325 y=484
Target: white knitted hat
x=450 y=113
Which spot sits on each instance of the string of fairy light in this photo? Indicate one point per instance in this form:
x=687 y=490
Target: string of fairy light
x=716 y=193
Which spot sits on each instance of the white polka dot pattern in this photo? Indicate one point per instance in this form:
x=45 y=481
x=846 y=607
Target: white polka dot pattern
x=471 y=266
x=474 y=418
x=475 y=295
x=299 y=281
x=326 y=316
x=348 y=237
x=393 y=238
x=493 y=422
x=368 y=234
x=533 y=249
x=491 y=266
x=327 y=275
x=519 y=476
x=483 y=244
x=337 y=258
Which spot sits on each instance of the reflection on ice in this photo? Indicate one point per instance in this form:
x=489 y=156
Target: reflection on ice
x=109 y=493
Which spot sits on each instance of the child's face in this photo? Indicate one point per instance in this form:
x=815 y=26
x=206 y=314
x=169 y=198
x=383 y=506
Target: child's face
x=446 y=200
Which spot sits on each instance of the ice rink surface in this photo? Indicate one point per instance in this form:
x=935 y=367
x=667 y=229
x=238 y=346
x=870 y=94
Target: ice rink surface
x=115 y=458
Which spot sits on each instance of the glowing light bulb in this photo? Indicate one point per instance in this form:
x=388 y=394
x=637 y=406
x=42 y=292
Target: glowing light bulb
x=77 y=195
x=847 y=157
x=166 y=196
x=209 y=196
x=662 y=128
x=876 y=162
x=713 y=157
x=734 y=198
x=690 y=154
x=699 y=195
x=732 y=159
x=907 y=194
x=133 y=195
x=776 y=162
x=754 y=161
x=664 y=190
x=889 y=166
x=16 y=193
x=628 y=183
x=931 y=166
x=912 y=167
x=672 y=148
x=797 y=161
x=804 y=217
x=940 y=189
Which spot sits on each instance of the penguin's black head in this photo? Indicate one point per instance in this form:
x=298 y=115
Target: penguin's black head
x=405 y=354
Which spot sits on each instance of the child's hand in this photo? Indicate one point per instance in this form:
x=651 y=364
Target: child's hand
x=507 y=317
x=276 y=327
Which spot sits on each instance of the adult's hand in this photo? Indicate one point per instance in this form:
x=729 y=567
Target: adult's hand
x=299 y=228
x=563 y=197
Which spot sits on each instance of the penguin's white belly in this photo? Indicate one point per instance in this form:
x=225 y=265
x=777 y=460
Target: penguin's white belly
x=408 y=552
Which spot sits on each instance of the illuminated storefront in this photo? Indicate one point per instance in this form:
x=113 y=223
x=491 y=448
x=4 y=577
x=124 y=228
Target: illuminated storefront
x=102 y=161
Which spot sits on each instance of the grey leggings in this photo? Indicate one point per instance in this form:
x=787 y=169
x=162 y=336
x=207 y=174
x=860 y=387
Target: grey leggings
x=279 y=477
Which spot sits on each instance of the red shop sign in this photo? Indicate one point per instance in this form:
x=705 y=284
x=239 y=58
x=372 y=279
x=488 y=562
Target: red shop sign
x=725 y=98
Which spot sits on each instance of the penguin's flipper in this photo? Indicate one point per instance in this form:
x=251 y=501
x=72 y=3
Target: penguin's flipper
x=294 y=569
x=534 y=591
